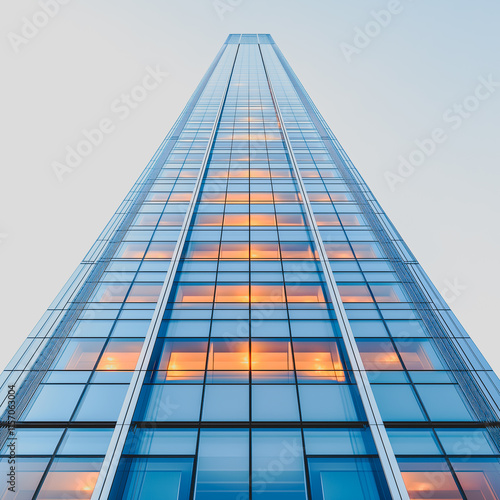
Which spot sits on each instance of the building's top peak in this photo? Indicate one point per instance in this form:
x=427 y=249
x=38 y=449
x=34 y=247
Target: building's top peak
x=249 y=38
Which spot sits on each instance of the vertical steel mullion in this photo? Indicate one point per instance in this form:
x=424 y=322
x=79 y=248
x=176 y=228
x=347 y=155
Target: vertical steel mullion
x=112 y=458
x=386 y=454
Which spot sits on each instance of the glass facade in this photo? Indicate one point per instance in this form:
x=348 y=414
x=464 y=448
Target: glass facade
x=250 y=325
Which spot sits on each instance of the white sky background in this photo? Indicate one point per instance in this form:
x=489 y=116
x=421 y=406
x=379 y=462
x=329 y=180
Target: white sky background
x=395 y=91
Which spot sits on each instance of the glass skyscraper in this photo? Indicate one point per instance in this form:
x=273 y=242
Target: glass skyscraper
x=250 y=325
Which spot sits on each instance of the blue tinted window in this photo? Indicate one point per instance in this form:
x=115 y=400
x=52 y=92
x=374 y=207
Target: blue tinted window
x=397 y=403
x=101 y=403
x=328 y=403
x=223 y=462
x=226 y=403
x=274 y=402
x=148 y=478
x=344 y=478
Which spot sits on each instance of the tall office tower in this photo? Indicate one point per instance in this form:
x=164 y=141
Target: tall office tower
x=250 y=325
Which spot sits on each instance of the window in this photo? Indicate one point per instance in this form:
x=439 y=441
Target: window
x=479 y=478
x=318 y=360
x=420 y=479
x=283 y=448
x=379 y=355
x=223 y=461
x=101 y=403
x=229 y=355
x=232 y=293
x=154 y=477
x=419 y=355
x=355 y=293
x=120 y=355
x=144 y=292
x=70 y=478
x=194 y=293
x=347 y=478
x=79 y=354
x=268 y=355
x=305 y=293
x=182 y=360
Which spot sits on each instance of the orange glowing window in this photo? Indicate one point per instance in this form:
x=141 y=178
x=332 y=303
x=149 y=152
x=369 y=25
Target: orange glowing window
x=281 y=173
x=366 y=250
x=262 y=220
x=379 y=355
x=261 y=197
x=350 y=220
x=423 y=485
x=147 y=220
x=194 y=293
x=162 y=250
x=268 y=293
x=238 y=173
x=309 y=173
x=260 y=173
x=238 y=197
x=291 y=220
x=132 y=250
x=479 y=479
x=144 y=292
x=267 y=251
x=319 y=359
x=229 y=355
x=208 y=220
x=287 y=197
x=339 y=197
x=338 y=251
x=298 y=251
x=387 y=293
x=319 y=197
x=201 y=250
x=234 y=251
x=188 y=173
x=327 y=220
x=236 y=219
x=419 y=355
x=171 y=220
x=355 y=293
x=70 y=478
x=120 y=355
x=180 y=197
x=79 y=354
x=182 y=359
x=112 y=292
x=304 y=293
x=232 y=293
x=271 y=355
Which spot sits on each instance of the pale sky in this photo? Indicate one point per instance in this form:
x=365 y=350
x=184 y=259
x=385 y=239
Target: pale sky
x=384 y=74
